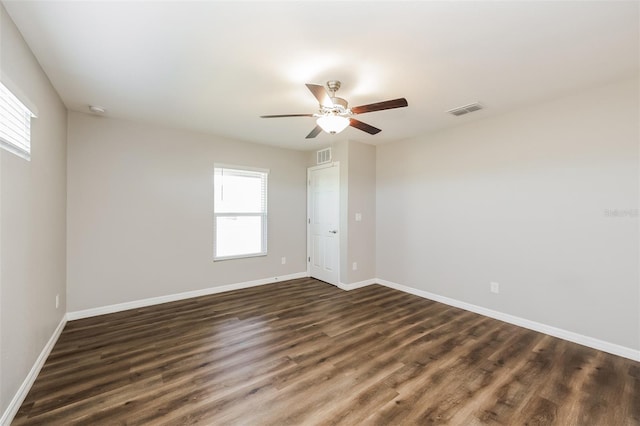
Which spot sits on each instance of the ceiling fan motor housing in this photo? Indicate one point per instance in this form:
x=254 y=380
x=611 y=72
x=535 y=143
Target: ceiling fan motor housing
x=339 y=104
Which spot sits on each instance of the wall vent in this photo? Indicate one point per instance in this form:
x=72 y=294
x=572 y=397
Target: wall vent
x=466 y=109
x=323 y=156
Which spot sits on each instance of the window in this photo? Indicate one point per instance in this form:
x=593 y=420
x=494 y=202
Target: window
x=240 y=212
x=15 y=124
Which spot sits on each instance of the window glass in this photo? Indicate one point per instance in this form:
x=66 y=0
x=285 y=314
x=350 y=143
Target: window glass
x=240 y=212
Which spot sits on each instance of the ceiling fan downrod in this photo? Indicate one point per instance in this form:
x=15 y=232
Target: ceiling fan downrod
x=340 y=105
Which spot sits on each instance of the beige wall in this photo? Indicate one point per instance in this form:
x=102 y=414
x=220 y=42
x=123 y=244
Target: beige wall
x=362 y=199
x=140 y=211
x=525 y=200
x=32 y=220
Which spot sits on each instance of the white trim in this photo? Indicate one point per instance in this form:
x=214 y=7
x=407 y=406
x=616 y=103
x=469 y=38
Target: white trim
x=239 y=256
x=322 y=166
x=359 y=284
x=235 y=166
x=580 y=339
x=9 y=147
x=24 y=389
x=15 y=89
x=178 y=296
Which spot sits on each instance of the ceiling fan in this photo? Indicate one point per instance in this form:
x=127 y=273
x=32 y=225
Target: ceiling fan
x=334 y=114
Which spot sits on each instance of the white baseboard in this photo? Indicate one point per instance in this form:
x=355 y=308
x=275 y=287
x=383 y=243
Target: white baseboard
x=359 y=284
x=102 y=310
x=591 y=342
x=24 y=389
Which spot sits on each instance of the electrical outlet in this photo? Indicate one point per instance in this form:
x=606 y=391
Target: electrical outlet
x=57 y=301
x=358 y=217
x=284 y=260
x=354 y=266
x=495 y=287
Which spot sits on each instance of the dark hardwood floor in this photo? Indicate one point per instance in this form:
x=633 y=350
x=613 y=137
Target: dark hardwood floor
x=305 y=352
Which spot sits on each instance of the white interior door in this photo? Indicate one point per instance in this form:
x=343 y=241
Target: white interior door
x=324 y=217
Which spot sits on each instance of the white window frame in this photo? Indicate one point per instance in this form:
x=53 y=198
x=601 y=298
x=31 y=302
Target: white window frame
x=15 y=122
x=263 y=214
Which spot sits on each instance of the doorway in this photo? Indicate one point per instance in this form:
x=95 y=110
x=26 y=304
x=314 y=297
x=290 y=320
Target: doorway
x=323 y=219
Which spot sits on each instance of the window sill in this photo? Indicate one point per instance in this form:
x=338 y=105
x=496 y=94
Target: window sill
x=239 y=256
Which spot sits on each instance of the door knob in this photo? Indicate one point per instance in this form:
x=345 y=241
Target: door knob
x=334 y=231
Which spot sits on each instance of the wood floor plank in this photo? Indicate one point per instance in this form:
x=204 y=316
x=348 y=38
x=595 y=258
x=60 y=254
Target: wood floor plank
x=305 y=352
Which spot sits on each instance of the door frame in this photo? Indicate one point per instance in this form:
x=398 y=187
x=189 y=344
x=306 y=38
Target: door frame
x=309 y=170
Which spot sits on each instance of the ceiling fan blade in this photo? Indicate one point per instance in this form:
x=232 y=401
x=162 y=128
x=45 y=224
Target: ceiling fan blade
x=379 y=106
x=363 y=126
x=321 y=95
x=316 y=130
x=286 y=115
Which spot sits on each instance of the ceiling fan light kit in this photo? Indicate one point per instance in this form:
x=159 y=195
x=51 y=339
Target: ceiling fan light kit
x=333 y=123
x=334 y=115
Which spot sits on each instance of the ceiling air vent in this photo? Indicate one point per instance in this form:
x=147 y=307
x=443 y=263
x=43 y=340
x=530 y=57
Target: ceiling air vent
x=323 y=156
x=466 y=109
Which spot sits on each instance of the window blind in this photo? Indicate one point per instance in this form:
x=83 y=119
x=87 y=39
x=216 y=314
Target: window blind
x=15 y=124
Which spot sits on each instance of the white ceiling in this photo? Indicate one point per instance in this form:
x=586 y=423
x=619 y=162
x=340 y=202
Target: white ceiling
x=215 y=67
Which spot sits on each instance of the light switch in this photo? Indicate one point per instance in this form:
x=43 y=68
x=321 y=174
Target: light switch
x=358 y=217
